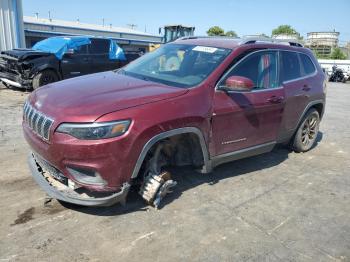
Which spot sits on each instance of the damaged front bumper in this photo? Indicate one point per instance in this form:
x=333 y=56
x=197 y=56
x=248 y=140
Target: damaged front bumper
x=58 y=190
x=15 y=80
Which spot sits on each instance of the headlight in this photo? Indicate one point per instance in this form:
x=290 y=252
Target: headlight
x=95 y=130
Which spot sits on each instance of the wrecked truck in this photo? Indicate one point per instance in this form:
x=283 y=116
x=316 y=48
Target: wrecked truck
x=196 y=102
x=59 y=58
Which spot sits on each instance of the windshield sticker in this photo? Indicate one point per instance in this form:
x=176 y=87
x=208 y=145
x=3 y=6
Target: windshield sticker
x=205 y=49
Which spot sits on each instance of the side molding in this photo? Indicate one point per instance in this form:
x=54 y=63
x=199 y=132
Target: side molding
x=242 y=153
x=207 y=166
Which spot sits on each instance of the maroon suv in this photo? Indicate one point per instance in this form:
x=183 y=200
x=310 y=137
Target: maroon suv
x=196 y=101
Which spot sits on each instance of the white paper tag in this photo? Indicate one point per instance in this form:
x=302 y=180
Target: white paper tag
x=205 y=49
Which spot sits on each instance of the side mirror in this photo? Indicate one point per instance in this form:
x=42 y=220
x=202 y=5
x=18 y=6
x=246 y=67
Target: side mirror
x=238 y=83
x=69 y=52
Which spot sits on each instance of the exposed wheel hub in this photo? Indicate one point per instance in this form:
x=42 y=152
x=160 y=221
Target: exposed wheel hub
x=155 y=187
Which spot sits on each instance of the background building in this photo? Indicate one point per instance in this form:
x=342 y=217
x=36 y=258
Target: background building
x=37 y=29
x=322 y=43
x=11 y=24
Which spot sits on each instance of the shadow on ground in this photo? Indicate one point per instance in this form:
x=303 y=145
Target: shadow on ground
x=188 y=178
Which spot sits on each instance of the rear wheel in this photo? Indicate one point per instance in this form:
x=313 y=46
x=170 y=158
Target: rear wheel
x=306 y=134
x=43 y=78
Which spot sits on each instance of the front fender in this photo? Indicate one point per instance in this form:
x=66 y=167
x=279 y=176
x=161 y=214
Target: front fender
x=194 y=130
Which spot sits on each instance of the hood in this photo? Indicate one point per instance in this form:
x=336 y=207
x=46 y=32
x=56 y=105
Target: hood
x=86 y=98
x=23 y=54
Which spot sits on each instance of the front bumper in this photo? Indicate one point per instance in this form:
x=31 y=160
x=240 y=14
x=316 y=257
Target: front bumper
x=15 y=80
x=58 y=190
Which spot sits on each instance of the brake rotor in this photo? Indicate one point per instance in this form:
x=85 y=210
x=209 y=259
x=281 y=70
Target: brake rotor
x=155 y=187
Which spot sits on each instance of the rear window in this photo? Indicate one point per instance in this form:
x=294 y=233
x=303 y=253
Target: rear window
x=290 y=66
x=308 y=66
x=99 y=46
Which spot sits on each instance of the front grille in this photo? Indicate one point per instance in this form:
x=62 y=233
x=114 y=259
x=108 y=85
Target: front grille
x=38 y=122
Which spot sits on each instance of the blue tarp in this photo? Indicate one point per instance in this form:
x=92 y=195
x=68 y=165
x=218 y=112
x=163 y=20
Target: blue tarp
x=59 y=45
x=115 y=52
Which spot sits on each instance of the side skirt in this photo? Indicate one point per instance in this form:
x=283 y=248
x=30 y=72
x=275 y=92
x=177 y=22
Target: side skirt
x=243 y=153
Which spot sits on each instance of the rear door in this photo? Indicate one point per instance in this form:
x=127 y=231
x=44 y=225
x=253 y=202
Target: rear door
x=77 y=63
x=99 y=53
x=297 y=68
x=245 y=119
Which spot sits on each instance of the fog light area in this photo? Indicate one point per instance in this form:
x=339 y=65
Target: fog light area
x=86 y=176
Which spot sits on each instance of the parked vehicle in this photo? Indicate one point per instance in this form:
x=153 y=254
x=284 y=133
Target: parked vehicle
x=58 y=58
x=196 y=101
x=337 y=75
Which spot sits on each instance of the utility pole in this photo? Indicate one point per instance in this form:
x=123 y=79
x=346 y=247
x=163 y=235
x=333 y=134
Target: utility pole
x=132 y=26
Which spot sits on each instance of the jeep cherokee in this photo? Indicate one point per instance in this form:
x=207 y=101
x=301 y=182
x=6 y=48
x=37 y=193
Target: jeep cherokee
x=196 y=101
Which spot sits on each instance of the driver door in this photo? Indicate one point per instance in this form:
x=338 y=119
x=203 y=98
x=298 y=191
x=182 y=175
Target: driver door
x=77 y=63
x=243 y=119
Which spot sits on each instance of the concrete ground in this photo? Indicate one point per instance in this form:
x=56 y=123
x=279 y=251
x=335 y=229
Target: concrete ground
x=279 y=206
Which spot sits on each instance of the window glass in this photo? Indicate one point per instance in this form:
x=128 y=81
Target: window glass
x=99 y=46
x=290 y=65
x=308 y=66
x=81 y=50
x=261 y=68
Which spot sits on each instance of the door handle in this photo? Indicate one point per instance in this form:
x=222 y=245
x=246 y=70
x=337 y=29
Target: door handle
x=306 y=88
x=275 y=99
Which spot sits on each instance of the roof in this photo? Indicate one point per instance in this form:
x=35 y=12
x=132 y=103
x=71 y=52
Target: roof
x=220 y=42
x=231 y=43
x=79 y=25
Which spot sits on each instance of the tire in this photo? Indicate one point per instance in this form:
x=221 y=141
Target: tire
x=307 y=132
x=43 y=78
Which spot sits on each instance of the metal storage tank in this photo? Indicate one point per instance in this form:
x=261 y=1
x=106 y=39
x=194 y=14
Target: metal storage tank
x=11 y=25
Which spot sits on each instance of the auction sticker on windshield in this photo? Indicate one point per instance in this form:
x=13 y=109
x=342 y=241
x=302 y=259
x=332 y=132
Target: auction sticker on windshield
x=205 y=49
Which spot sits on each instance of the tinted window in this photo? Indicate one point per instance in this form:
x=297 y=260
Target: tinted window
x=81 y=50
x=99 y=46
x=308 y=66
x=290 y=65
x=260 y=67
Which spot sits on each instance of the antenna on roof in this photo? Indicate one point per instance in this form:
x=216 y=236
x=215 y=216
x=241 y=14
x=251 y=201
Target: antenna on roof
x=36 y=15
x=50 y=16
x=103 y=22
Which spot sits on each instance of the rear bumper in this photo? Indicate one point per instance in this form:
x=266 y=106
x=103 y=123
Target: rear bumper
x=57 y=190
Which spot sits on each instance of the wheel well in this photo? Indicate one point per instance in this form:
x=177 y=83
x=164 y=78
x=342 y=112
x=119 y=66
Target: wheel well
x=319 y=108
x=48 y=69
x=177 y=150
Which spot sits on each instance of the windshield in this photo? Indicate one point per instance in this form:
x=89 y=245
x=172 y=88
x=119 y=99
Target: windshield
x=177 y=65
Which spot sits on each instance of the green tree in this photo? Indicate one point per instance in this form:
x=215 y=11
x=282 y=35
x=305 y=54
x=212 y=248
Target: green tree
x=286 y=30
x=319 y=55
x=231 y=33
x=337 y=54
x=215 y=30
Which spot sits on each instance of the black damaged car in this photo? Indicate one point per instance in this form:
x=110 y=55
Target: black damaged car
x=59 y=58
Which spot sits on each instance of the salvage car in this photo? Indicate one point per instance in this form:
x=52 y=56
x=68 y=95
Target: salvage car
x=196 y=101
x=58 y=58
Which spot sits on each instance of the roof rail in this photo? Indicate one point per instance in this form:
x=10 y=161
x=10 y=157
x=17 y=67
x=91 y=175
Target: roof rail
x=205 y=36
x=248 y=40
x=253 y=40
